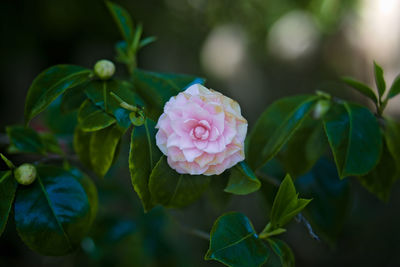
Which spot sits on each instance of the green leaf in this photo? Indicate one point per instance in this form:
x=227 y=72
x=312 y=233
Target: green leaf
x=395 y=88
x=92 y=118
x=51 y=83
x=81 y=145
x=73 y=98
x=174 y=190
x=379 y=79
x=309 y=141
x=275 y=127
x=8 y=186
x=7 y=161
x=122 y=19
x=234 y=242
x=98 y=150
x=157 y=88
x=103 y=148
x=97 y=91
x=283 y=251
x=331 y=199
x=286 y=204
x=143 y=156
x=23 y=139
x=354 y=137
x=54 y=213
x=360 y=87
x=242 y=180
x=381 y=179
x=267 y=232
x=90 y=189
x=146 y=41
x=392 y=137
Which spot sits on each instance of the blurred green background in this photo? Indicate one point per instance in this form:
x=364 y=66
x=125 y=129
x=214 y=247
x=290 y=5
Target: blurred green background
x=255 y=51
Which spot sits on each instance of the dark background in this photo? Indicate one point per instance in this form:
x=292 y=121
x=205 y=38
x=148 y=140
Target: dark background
x=254 y=51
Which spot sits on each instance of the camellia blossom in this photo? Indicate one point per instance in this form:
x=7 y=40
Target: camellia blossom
x=201 y=132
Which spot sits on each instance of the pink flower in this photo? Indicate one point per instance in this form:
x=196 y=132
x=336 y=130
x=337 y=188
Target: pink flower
x=201 y=132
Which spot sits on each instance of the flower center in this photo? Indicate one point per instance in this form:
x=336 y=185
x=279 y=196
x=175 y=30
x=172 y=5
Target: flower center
x=199 y=132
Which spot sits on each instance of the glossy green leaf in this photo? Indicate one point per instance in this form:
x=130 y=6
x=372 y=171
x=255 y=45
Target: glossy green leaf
x=90 y=189
x=143 y=156
x=174 y=190
x=98 y=150
x=283 y=251
x=331 y=199
x=354 y=137
x=81 y=145
x=395 y=88
x=360 y=87
x=234 y=242
x=242 y=180
x=73 y=98
x=310 y=142
x=286 y=204
x=103 y=147
x=122 y=19
x=157 y=88
x=8 y=186
x=379 y=79
x=392 y=137
x=51 y=83
x=24 y=139
x=381 y=179
x=58 y=122
x=54 y=213
x=275 y=127
x=97 y=91
x=92 y=118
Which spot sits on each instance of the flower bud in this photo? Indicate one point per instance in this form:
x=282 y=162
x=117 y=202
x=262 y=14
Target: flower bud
x=25 y=174
x=104 y=69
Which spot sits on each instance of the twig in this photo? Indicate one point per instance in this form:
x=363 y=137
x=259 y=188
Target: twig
x=301 y=219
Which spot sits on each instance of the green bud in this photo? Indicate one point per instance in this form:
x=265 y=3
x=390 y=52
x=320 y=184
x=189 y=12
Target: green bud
x=137 y=118
x=321 y=108
x=25 y=174
x=104 y=69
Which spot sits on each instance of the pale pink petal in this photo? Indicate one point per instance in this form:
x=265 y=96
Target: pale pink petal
x=191 y=153
x=161 y=140
x=215 y=146
x=173 y=140
x=215 y=133
x=200 y=144
x=201 y=131
x=205 y=159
